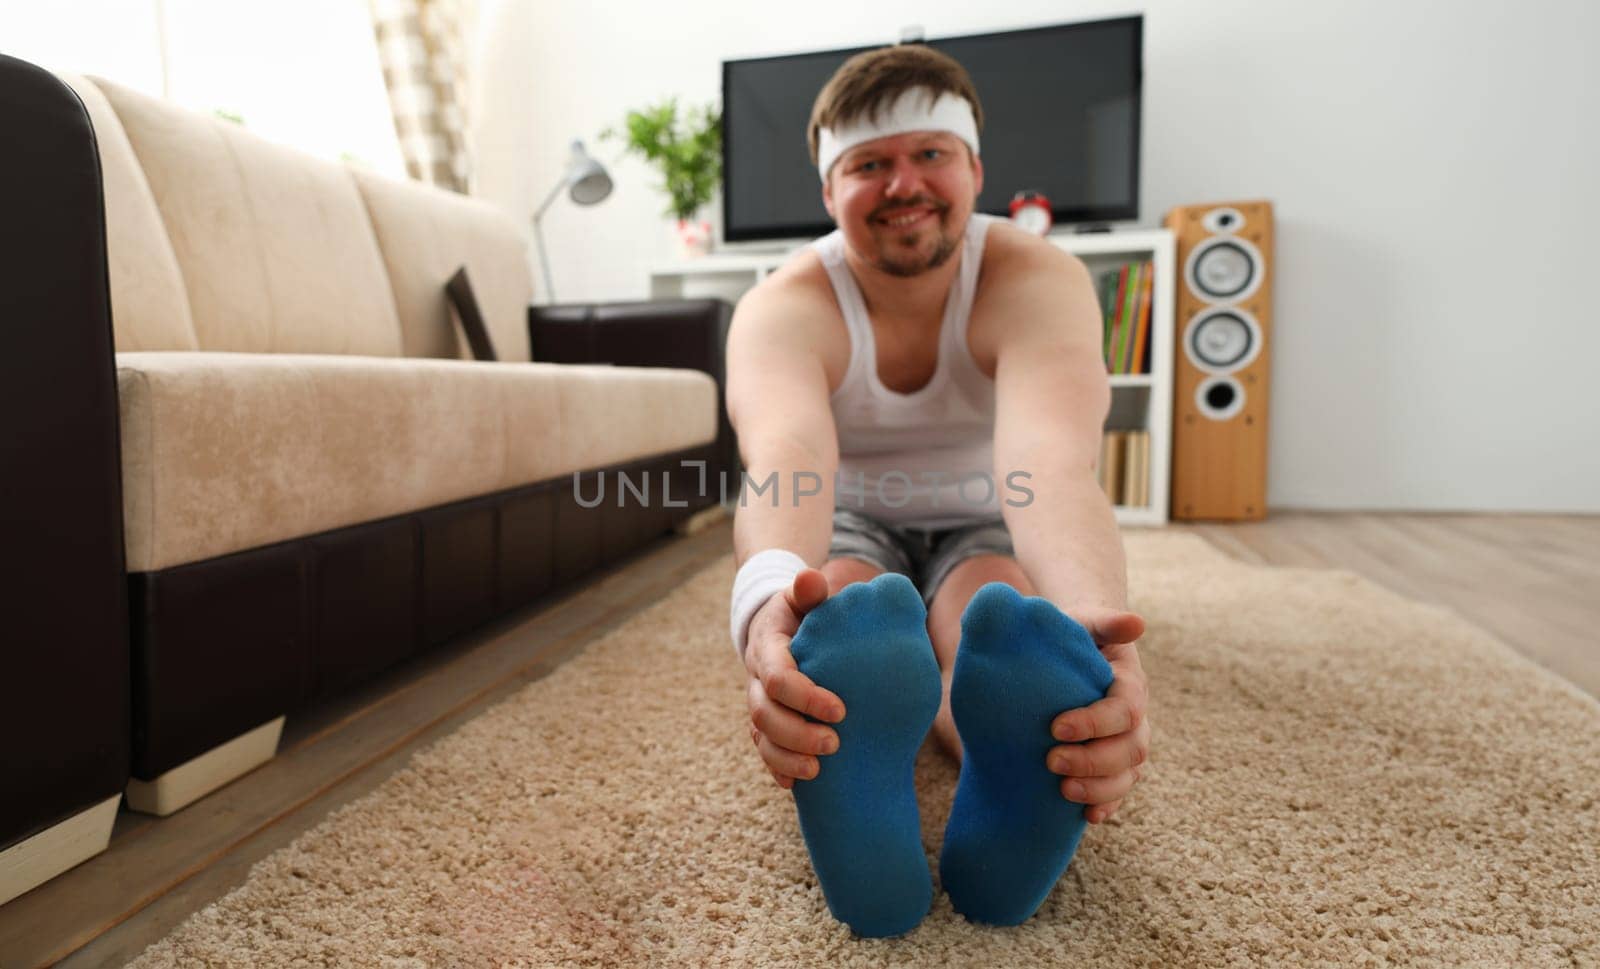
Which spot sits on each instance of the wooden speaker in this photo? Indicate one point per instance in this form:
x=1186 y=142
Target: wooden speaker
x=1220 y=376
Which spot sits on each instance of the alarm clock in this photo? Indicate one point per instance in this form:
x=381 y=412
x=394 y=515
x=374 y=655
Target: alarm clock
x=1030 y=212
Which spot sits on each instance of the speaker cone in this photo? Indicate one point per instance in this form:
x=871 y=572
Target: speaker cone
x=1222 y=340
x=1223 y=269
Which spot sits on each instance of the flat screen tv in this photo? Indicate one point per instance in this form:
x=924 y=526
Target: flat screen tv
x=1061 y=117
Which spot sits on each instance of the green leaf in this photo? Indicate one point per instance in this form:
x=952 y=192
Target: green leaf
x=686 y=149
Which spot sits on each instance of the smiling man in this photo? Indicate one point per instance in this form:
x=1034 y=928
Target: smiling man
x=934 y=376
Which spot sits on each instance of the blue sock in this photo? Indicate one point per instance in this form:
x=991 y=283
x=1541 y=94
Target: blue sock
x=869 y=644
x=1011 y=834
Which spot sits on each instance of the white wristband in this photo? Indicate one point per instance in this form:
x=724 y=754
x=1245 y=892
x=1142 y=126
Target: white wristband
x=762 y=576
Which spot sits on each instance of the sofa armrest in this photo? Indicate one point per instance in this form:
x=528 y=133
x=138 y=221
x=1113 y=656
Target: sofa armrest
x=691 y=334
x=63 y=591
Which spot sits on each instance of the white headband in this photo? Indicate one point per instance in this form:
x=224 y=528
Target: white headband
x=910 y=112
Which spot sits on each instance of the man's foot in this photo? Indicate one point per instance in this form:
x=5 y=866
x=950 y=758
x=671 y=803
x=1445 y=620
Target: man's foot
x=869 y=644
x=1011 y=834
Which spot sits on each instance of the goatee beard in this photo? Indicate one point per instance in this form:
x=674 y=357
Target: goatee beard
x=941 y=255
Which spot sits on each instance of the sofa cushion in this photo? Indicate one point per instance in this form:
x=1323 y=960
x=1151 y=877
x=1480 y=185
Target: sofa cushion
x=228 y=451
x=426 y=234
x=275 y=247
x=149 y=309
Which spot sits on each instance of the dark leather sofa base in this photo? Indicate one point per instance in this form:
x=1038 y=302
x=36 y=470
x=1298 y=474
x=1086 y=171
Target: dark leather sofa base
x=226 y=644
x=64 y=693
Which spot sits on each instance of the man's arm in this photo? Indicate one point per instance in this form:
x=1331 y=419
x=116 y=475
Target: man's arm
x=1052 y=397
x=778 y=403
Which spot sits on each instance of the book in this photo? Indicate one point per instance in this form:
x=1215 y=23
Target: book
x=1115 y=331
x=1129 y=470
x=1134 y=470
x=1126 y=317
x=1139 y=495
x=1108 y=294
x=1110 y=471
x=1136 y=362
x=1147 y=493
x=1130 y=287
x=1124 y=471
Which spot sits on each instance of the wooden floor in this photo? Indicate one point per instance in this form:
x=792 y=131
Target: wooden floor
x=1532 y=580
x=1529 y=579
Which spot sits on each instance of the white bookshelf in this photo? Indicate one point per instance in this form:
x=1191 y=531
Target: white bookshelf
x=1139 y=401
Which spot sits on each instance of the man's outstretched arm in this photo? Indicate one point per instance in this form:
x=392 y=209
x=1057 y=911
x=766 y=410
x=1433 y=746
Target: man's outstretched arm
x=1052 y=397
x=778 y=404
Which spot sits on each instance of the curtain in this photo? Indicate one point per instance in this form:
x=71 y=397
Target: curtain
x=422 y=45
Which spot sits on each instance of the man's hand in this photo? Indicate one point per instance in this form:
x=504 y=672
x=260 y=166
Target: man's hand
x=779 y=693
x=1108 y=739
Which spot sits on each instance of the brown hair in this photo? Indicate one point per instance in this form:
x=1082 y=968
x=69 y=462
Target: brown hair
x=871 y=80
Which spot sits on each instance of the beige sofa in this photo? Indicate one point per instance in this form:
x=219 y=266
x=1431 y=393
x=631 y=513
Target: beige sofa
x=291 y=474
x=286 y=359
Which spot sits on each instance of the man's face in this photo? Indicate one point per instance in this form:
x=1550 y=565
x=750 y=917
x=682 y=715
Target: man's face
x=903 y=201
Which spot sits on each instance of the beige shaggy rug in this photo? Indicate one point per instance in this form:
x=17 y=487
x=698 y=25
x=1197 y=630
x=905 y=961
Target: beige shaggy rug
x=1338 y=776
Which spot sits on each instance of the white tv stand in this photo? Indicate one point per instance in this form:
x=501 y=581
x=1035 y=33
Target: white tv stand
x=725 y=276
x=1141 y=401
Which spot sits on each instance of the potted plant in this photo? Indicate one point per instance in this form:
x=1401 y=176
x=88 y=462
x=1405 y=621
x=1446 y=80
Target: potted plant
x=687 y=150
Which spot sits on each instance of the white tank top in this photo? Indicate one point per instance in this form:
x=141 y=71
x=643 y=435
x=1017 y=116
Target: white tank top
x=923 y=459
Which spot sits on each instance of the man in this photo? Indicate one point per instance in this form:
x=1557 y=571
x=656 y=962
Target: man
x=888 y=371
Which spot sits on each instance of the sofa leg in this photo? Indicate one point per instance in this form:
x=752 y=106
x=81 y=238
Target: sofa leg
x=194 y=779
x=28 y=864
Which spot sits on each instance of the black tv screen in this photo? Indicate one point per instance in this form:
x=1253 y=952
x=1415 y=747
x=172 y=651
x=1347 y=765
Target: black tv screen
x=1061 y=116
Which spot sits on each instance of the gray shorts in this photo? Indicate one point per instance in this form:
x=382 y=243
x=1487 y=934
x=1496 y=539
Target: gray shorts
x=924 y=556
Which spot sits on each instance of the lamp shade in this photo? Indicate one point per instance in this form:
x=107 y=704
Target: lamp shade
x=589 y=180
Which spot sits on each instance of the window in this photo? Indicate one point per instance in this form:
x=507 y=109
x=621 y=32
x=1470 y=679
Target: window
x=303 y=73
